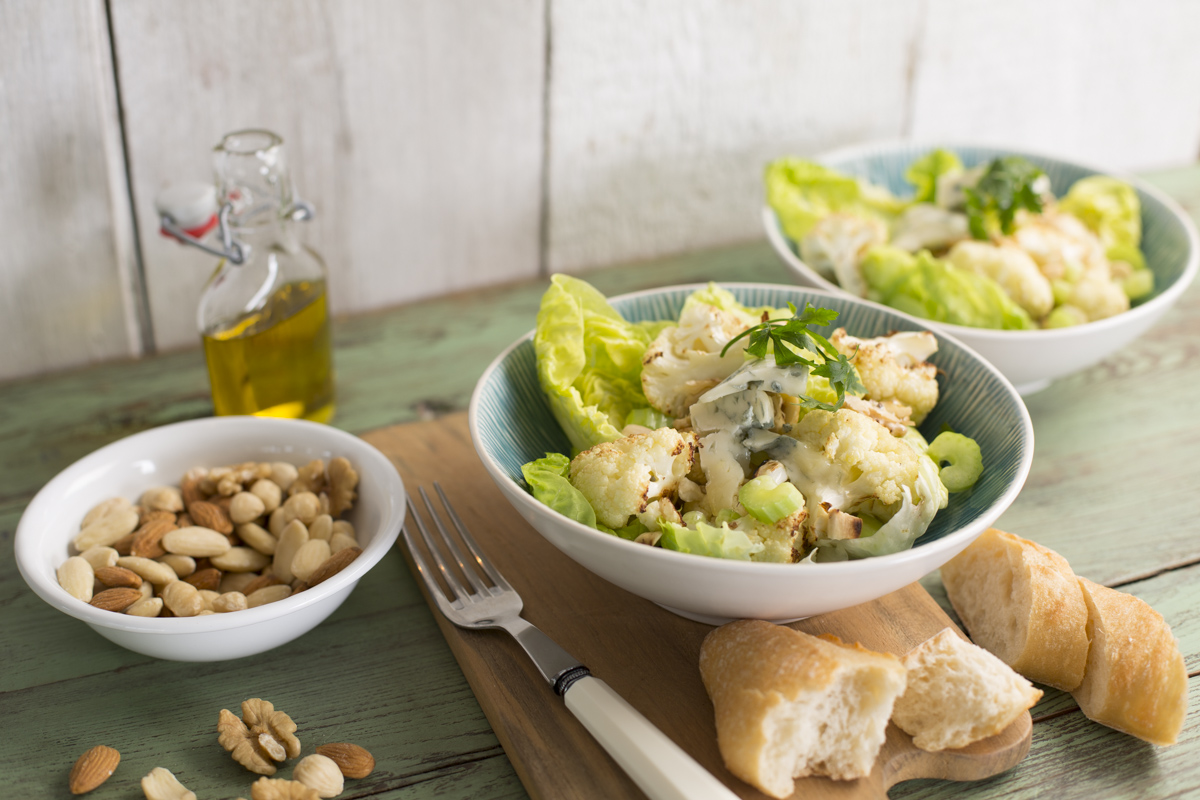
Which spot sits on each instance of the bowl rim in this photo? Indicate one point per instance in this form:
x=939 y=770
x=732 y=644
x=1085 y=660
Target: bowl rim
x=918 y=552
x=367 y=456
x=1150 y=308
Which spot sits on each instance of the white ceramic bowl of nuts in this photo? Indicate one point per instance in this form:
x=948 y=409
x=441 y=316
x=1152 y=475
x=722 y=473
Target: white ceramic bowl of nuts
x=211 y=539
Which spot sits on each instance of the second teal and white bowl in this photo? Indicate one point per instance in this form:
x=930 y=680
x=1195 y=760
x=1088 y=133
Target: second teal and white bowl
x=1030 y=359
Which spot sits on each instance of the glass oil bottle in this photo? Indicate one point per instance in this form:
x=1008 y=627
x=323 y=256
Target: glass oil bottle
x=264 y=315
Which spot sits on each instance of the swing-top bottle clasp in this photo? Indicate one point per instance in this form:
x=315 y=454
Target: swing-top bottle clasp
x=189 y=211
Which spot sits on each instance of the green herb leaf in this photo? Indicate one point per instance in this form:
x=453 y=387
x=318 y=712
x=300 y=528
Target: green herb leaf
x=1005 y=187
x=787 y=337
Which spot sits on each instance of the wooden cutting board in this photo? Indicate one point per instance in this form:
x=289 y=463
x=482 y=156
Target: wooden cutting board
x=648 y=655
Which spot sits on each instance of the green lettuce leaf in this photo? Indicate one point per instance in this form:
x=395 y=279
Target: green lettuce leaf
x=717 y=541
x=589 y=361
x=548 y=480
x=804 y=192
x=925 y=171
x=931 y=288
x=1112 y=210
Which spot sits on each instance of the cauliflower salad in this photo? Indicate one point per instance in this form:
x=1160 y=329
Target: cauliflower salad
x=741 y=433
x=987 y=247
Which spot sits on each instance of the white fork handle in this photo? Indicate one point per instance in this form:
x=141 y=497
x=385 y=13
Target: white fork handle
x=656 y=764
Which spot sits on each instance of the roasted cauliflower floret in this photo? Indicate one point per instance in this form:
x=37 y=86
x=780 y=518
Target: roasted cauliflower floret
x=837 y=243
x=635 y=476
x=844 y=460
x=893 y=368
x=1011 y=267
x=685 y=360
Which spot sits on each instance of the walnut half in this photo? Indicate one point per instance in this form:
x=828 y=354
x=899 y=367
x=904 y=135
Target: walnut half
x=261 y=737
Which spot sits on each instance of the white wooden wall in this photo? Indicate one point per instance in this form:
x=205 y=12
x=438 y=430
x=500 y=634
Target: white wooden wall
x=450 y=144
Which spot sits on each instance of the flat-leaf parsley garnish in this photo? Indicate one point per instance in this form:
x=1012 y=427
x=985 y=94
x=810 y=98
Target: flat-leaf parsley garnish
x=786 y=338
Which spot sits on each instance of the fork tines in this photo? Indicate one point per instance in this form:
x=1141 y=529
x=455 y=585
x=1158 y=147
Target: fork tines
x=472 y=569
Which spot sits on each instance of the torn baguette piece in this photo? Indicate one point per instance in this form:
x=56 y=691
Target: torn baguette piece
x=1021 y=602
x=958 y=693
x=1136 y=680
x=789 y=705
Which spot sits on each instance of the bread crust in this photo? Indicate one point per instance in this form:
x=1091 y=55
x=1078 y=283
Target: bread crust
x=1136 y=680
x=753 y=669
x=1021 y=602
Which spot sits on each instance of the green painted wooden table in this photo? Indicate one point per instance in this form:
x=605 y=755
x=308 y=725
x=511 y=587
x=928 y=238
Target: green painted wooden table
x=1113 y=488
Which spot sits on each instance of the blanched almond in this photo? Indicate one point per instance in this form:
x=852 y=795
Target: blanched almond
x=293 y=537
x=241 y=559
x=162 y=498
x=153 y=571
x=321 y=528
x=183 y=599
x=230 y=601
x=269 y=492
x=183 y=565
x=146 y=607
x=100 y=556
x=107 y=529
x=196 y=541
x=257 y=537
x=76 y=577
x=268 y=594
x=246 y=507
x=340 y=541
x=311 y=555
x=103 y=509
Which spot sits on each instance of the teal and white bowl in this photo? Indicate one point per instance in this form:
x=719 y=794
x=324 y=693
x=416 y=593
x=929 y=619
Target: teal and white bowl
x=1030 y=359
x=511 y=424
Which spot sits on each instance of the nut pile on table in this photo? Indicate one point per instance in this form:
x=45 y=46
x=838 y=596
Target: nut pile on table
x=262 y=736
x=226 y=539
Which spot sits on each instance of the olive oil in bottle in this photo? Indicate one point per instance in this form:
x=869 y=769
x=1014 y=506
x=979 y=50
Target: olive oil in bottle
x=276 y=361
x=264 y=315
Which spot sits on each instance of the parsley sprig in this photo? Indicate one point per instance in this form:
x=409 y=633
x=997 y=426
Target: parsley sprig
x=1005 y=187
x=786 y=337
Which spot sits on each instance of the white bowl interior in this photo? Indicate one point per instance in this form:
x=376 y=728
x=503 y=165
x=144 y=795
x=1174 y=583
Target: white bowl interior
x=161 y=456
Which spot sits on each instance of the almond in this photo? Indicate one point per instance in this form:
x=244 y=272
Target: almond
x=117 y=599
x=352 y=760
x=210 y=515
x=264 y=580
x=92 y=769
x=205 y=578
x=118 y=576
x=196 y=541
x=333 y=565
x=147 y=540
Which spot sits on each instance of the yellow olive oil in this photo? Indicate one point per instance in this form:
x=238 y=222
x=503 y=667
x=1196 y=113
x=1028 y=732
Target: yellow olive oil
x=275 y=362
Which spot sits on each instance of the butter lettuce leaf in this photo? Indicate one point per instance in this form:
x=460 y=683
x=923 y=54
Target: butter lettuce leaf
x=1111 y=209
x=717 y=541
x=931 y=288
x=804 y=192
x=925 y=171
x=589 y=361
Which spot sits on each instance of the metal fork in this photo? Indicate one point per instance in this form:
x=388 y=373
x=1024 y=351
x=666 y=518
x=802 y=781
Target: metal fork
x=655 y=763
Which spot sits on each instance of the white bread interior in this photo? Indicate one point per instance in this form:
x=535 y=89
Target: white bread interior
x=958 y=693
x=789 y=705
x=1136 y=680
x=1021 y=602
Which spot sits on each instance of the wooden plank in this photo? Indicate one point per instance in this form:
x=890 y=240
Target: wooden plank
x=67 y=274
x=660 y=149
x=418 y=138
x=981 y=75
